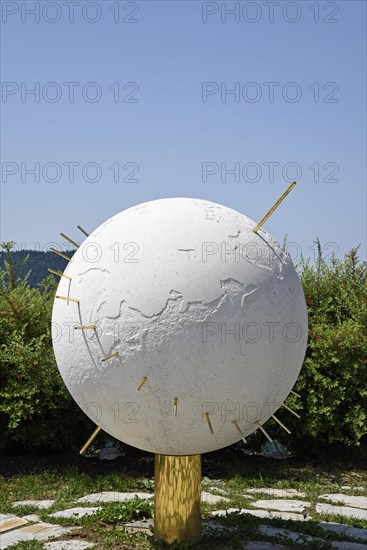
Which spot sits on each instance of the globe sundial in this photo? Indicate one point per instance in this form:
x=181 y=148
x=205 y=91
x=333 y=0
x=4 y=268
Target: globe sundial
x=179 y=327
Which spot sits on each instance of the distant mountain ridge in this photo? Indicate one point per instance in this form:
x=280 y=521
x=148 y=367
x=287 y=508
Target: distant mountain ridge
x=38 y=263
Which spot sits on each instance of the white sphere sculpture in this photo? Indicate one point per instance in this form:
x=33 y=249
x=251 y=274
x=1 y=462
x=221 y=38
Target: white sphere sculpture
x=191 y=321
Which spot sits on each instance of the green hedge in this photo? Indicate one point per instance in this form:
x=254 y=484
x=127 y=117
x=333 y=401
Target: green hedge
x=36 y=410
x=333 y=379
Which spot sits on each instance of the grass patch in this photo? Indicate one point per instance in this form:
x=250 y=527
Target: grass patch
x=63 y=488
x=237 y=473
x=116 y=513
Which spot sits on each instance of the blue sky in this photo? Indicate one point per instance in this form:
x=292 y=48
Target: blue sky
x=172 y=133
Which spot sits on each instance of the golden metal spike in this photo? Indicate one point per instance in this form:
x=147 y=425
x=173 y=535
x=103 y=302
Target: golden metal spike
x=235 y=424
x=281 y=423
x=92 y=437
x=115 y=354
x=209 y=423
x=59 y=273
x=291 y=410
x=83 y=230
x=294 y=393
x=60 y=254
x=82 y=327
x=70 y=240
x=274 y=207
x=264 y=431
x=144 y=379
x=67 y=299
x=175 y=401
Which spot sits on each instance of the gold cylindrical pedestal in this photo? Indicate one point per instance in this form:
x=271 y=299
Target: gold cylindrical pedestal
x=177 y=498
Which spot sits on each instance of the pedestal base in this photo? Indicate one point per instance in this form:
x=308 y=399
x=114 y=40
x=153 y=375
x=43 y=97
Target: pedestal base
x=177 y=498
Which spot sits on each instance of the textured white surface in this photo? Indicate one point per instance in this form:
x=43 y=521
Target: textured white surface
x=195 y=271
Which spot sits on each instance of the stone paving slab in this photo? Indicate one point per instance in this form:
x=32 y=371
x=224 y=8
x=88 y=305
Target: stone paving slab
x=282 y=505
x=212 y=499
x=33 y=518
x=264 y=514
x=219 y=490
x=299 y=537
x=11 y=523
x=280 y=532
x=146 y=526
x=207 y=480
x=75 y=512
x=345 y=545
x=4 y=517
x=356 y=502
x=40 y=531
x=355 y=532
x=208 y=525
x=285 y=493
x=114 y=496
x=262 y=545
x=41 y=504
x=346 y=511
x=68 y=545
